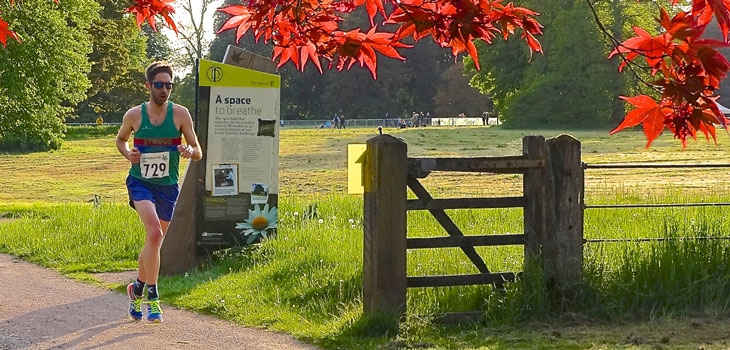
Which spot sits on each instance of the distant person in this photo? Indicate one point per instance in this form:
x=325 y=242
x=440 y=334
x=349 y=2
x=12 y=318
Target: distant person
x=99 y=120
x=485 y=116
x=157 y=126
x=342 y=121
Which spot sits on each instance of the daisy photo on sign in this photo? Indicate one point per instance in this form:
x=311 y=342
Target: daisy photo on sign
x=260 y=223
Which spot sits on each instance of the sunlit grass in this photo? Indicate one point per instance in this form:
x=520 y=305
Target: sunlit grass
x=308 y=281
x=73 y=238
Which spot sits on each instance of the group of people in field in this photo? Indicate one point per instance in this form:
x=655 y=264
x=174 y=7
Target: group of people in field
x=417 y=119
x=338 y=122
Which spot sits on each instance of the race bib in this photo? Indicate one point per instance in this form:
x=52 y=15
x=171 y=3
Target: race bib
x=155 y=165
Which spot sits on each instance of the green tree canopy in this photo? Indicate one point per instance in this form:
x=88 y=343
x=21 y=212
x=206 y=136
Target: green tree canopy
x=569 y=85
x=118 y=60
x=44 y=77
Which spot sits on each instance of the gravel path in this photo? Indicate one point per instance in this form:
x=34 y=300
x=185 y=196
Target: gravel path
x=41 y=309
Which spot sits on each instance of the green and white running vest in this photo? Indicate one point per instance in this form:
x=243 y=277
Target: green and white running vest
x=160 y=159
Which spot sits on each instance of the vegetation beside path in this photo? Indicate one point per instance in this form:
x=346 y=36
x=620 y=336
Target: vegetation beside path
x=308 y=281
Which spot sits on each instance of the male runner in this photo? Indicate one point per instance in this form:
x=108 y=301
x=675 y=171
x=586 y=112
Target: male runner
x=152 y=182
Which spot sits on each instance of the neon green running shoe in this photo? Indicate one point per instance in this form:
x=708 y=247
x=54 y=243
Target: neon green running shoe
x=154 y=312
x=135 y=305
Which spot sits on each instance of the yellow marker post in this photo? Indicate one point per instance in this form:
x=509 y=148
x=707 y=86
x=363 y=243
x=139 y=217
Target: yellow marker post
x=355 y=162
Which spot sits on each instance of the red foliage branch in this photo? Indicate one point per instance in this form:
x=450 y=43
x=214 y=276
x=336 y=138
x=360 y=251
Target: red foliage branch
x=5 y=33
x=304 y=30
x=688 y=70
x=146 y=10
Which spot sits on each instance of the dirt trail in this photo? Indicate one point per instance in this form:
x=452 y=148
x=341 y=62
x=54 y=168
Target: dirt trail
x=41 y=309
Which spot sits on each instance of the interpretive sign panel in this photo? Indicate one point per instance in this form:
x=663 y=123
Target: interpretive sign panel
x=240 y=111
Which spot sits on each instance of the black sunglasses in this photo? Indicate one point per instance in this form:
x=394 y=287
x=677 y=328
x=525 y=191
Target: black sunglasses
x=158 y=85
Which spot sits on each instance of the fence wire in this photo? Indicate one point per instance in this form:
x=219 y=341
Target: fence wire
x=656 y=239
x=652 y=205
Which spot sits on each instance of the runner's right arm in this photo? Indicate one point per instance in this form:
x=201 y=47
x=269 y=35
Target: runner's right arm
x=125 y=131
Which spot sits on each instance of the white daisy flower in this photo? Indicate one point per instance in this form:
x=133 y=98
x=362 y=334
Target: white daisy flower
x=258 y=222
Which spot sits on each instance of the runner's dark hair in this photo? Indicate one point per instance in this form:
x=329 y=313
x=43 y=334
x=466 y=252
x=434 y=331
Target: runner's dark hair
x=157 y=67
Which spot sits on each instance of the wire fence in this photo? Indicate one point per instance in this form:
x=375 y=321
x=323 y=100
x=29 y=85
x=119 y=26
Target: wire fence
x=360 y=123
x=652 y=205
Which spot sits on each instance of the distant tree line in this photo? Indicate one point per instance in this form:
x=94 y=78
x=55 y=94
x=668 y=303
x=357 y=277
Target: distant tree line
x=573 y=84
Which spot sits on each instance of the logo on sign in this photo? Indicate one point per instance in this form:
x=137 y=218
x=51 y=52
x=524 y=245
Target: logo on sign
x=215 y=74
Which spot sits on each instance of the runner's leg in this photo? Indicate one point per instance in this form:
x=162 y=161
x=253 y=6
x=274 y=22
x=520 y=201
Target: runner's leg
x=149 y=257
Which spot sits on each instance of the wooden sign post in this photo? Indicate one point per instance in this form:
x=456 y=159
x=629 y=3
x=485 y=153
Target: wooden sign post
x=238 y=127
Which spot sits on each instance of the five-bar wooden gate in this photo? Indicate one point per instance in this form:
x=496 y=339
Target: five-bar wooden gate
x=552 y=209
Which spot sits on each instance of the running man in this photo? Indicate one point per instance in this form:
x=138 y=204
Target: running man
x=152 y=182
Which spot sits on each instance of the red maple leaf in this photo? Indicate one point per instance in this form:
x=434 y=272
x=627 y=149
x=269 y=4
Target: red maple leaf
x=148 y=9
x=5 y=33
x=361 y=47
x=372 y=7
x=647 y=112
x=239 y=19
x=703 y=11
x=653 y=48
x=681 y=26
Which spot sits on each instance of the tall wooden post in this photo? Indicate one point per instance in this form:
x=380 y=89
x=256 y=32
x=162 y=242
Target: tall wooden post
x=178 y=251
x=384 y=269
x=534 y=191
x=563 y=244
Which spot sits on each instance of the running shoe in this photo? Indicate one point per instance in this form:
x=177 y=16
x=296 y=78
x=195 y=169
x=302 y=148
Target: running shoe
x=154 y=312
x=135 y=305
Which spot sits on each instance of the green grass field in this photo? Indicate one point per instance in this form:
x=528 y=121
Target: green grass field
x=307 y=282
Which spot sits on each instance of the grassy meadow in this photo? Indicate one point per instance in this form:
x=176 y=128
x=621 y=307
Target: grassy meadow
x=307 y=282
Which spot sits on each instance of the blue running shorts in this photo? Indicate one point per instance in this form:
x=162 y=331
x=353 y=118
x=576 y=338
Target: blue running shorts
x=163 y=196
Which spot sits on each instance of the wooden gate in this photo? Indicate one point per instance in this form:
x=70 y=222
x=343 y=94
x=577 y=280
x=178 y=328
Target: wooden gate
x=552 y=209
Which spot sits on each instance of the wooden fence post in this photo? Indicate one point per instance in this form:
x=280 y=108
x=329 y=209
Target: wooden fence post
x=384 y=253
x=562 y=247
x=534 y=188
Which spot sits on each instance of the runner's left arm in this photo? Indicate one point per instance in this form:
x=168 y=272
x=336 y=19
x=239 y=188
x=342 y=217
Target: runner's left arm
x=192 y=150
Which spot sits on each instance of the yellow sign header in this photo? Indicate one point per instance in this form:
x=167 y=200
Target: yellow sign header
x=212 y=73
x=355 y=164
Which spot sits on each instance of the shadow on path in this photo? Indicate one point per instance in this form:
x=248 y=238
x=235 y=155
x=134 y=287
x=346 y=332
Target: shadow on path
x=41 y=309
